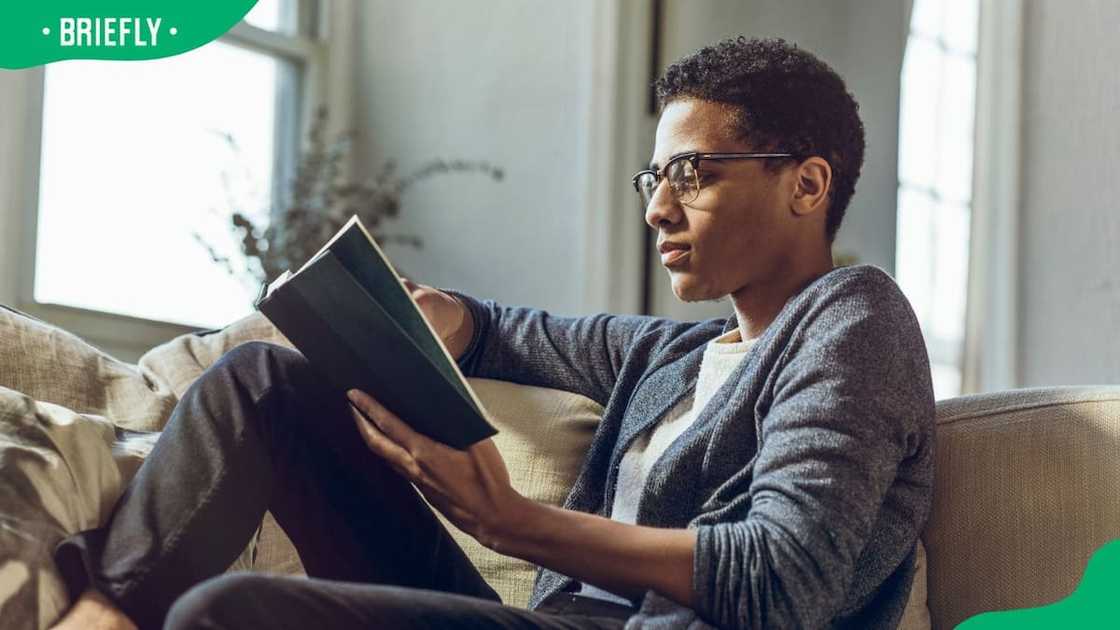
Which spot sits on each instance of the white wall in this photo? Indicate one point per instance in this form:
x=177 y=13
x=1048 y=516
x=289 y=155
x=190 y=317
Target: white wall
x=504 y=81
x=1069 y=274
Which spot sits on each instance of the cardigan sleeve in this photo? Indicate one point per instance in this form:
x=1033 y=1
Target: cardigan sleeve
x=532 y=347
x=848 y=404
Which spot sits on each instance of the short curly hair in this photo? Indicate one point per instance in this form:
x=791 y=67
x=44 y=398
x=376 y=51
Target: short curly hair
x=785 y=99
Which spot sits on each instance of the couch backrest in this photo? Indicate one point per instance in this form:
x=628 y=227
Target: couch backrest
x=1026 y=490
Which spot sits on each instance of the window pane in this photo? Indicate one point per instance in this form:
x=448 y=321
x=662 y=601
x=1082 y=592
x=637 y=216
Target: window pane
x=274 y=15
x=919 y=104
x=951 y=228
x=946 y=380
x=926 y=16
x=960 y=24
x=914 y=250
x=936 y=118
x=134 y=160
x=955 y=129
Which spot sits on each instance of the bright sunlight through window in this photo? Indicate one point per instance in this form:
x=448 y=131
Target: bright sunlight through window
x=935 y=177
x=136 y=158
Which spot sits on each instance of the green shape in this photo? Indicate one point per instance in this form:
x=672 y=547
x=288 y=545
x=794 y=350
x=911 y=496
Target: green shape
x=1093 y=604
x=35 y=32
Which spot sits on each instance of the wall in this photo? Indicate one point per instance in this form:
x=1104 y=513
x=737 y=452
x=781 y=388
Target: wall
x=507 y=83
x=1069 y=265
x=14 y=114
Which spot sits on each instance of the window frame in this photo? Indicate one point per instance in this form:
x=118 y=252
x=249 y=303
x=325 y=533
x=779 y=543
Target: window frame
x=947 y=352
x=126 y=336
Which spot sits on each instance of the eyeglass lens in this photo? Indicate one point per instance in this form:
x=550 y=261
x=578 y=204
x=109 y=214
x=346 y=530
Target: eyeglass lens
x=682 y=182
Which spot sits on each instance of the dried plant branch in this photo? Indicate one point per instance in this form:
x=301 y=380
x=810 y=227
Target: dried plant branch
x=320 y=202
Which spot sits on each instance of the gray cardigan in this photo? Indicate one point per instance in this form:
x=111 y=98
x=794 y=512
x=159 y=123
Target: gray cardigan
x=808 y=476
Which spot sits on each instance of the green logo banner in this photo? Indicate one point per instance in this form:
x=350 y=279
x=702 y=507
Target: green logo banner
x=1093 y=604
x=35 y=32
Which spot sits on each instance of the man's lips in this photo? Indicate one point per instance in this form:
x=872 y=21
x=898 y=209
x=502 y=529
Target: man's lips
x=672 y=253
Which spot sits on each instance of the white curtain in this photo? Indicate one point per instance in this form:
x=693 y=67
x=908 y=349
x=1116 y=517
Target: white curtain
x=991 y=326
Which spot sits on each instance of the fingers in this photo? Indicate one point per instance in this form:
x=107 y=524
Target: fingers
x=394 y=454
x=387 y=422
x=417 y=289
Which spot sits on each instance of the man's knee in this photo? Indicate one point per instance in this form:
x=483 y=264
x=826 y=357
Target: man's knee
x=259 y=356
x=233 y=600
x=260 y=365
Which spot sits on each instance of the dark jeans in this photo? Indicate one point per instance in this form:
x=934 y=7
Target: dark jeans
x=260 y=430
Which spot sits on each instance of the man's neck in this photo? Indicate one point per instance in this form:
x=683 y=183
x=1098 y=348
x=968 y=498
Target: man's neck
x=757 y=305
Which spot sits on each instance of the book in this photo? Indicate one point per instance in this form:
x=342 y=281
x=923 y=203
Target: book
x=348 y=311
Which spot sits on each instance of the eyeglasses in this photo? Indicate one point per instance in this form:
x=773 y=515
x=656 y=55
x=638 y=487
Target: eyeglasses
x=681 y=171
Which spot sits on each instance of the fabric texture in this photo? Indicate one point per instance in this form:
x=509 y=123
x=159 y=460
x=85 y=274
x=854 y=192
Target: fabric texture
x=240 y=601
x=1027 y=490
x=807 y=477
x=73 y=424
x=721 y=356
x=63 y=469
x=260 y=430
x=716 y=367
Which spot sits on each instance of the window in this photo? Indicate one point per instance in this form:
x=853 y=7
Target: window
x=137 y=157
x=937 y=112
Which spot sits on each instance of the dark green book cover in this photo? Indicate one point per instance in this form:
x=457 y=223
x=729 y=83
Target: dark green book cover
x=347 y=311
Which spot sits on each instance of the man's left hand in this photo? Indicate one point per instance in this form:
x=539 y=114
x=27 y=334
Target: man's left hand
x=470 y=487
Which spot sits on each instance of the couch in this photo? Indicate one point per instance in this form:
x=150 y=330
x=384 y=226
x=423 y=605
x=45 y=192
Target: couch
x=1026 y=480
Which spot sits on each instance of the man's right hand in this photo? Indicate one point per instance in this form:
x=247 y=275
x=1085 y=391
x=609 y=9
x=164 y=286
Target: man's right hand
x=449 y=317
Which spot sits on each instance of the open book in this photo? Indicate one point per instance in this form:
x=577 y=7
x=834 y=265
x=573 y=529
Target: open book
x=349 y=313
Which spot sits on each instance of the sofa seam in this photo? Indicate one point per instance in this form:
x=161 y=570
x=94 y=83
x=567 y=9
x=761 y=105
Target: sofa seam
x=1021 y=407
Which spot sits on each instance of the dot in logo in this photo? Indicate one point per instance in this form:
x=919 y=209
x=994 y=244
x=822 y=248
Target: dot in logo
x=46 y=30
x=174 y=31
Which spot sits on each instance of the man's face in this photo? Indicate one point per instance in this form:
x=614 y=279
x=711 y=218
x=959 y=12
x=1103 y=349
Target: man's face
x=739 y=230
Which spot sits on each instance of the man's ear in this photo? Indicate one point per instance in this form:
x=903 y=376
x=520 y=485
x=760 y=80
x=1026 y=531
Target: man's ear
x=814 y=178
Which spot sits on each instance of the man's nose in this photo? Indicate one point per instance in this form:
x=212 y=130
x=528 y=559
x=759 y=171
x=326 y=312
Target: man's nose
x=663 y=206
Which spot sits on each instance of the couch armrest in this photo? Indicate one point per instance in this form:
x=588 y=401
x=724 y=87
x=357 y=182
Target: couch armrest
x=1025 y=492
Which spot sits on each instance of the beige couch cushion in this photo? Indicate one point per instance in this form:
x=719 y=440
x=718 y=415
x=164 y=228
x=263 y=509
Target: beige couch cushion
x=49 y=364
x=916 y=614
x=1026 y=491
x=57 y=476
x=177 y=363
x=63 y=463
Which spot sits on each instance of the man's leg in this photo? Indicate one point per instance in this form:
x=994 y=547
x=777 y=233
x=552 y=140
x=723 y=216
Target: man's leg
x=261 y=430
x=249 y=600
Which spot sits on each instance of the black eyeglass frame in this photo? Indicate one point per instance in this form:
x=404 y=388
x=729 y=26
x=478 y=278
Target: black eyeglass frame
x=694 y=158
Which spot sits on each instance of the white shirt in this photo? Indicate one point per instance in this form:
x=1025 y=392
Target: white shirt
x=721 y=356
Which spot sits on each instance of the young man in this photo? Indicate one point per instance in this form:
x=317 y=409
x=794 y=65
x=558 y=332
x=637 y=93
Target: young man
x=769 y=470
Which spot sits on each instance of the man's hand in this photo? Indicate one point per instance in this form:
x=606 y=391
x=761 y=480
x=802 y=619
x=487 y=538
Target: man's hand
x=447 y=315
x=470 y=487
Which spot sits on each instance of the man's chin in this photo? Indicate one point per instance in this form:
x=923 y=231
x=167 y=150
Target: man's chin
x=687 y=291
